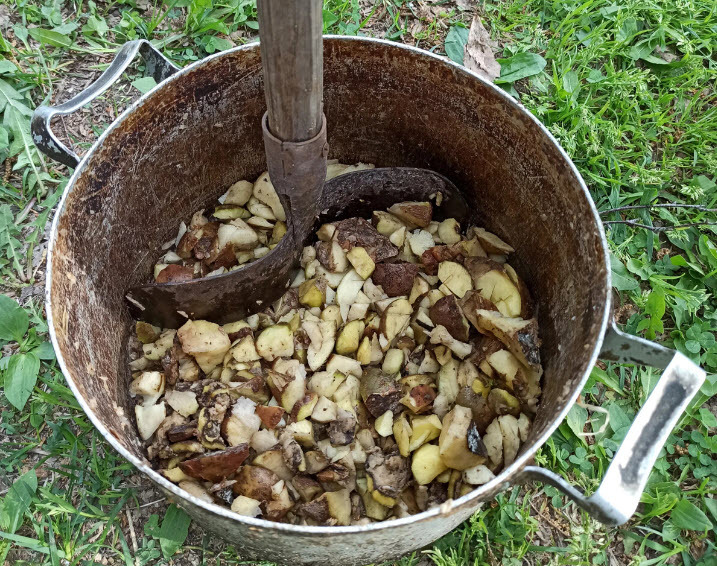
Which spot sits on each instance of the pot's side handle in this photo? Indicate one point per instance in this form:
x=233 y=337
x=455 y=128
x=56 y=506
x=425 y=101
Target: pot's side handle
x=619 y=493
x=158 y=66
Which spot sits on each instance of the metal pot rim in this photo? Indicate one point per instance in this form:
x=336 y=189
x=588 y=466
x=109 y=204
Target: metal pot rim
x=501 y=481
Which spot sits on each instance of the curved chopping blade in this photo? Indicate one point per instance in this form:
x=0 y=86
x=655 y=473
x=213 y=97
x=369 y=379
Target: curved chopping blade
x=249 y=289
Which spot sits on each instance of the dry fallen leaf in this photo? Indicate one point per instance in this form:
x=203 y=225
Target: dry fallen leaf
x=466 y=4
x=479 y=53
x=416 y=28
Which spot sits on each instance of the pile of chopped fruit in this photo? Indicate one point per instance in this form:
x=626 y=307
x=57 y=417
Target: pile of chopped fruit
x=246 y=225
x=402 y=368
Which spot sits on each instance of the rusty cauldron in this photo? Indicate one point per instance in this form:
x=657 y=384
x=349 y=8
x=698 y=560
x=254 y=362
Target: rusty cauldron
x=177 y=149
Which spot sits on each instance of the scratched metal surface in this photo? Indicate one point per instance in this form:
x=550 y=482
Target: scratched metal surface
x=182 y=144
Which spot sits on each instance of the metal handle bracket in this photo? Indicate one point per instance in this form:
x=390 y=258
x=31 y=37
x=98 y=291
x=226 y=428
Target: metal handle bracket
x=158 y=66
x=619 y=493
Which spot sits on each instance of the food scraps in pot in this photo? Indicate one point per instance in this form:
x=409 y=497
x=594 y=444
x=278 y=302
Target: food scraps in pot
x=396 y=372
x=247 y=222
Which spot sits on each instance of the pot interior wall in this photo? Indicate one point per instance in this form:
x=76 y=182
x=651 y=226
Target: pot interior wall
x=187 y=142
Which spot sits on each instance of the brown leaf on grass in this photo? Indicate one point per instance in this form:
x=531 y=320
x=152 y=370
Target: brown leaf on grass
x=416 y=28
x=665 y=54
x=479 y=52
x=466 y=4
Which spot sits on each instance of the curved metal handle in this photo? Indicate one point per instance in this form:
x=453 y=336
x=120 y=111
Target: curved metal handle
x=619 y=493
x=158 y=66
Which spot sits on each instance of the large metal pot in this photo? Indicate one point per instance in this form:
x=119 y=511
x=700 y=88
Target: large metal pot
x=179 y=147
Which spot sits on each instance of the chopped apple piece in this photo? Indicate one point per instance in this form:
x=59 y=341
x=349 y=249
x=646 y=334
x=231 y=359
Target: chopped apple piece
x=361 y=261
x=386 y=223
x=448 y=381
x=287 y=390
x=380 y=392
x=274 y=460
x=439 y=335
x=205 y=341
x=495 y=286
x=384 y=424
x=493 y=441
x=333 y=508
x=198 y=491
x=398 y=238
x=245 y=350
x=332 y=313
x=323 y=336
x=278 y=232
x=523 y=427
x=347 y=291
x=312 y=292
x=349 y=337
x=520 y=379
x=449 y=231
x=184 y=402
x=453 y=442
x=483 y=414
x=396 y=318
x=332 y=256
x=519 y=336
x=402 y=433
x=275 y=342
x=419 y=398
x=239 y=193
x=511 y=439
x=419 y=288
x=302 y=431
x=448 y=313
x=326 y=232
x=413 y=213
x=363 y=354
x=324 y=411
x=307 y=487
x=326 y=383
x=424 y=429
x=246 y=506
x=427 y=464
x=393 y=361
x=346 y=366
x=238 y=234
x=264 y=191
x=255 y=482
x=503 y=403
x=478 y=475
x=258 y=208
x=156 y=350
x=420 y=241
x=304 y=407
x=146 y=333
x=492 y=243
x=374 y=509
x=149 y=419
x=148 y=383
x=175 y=475
x=454 y=276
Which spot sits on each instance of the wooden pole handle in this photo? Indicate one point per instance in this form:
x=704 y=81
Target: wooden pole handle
x=292 y=58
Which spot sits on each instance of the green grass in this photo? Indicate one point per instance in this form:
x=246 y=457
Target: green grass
x=629 y=90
